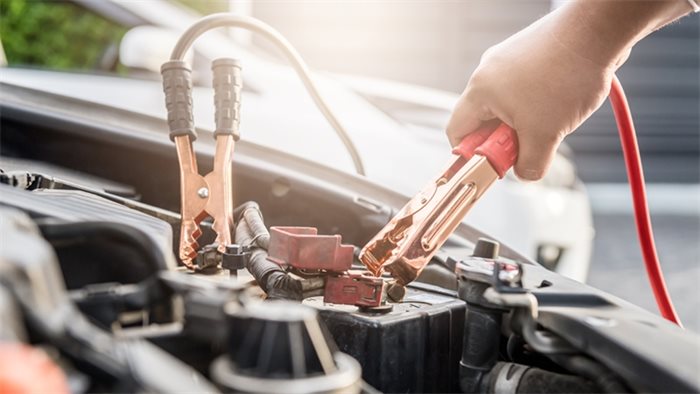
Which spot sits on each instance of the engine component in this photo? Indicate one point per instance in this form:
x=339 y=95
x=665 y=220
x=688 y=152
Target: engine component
x=415 y=347
x=126 y=245
x=482 y=328
x=234 y=258
x=492 y=287
x=304 y=249
x=509 y=378
x=507 y=292
x=73 y=206
x=407 y=243
x=36 y=283
x=280 y=346
x=354 y=288
x=211 y=194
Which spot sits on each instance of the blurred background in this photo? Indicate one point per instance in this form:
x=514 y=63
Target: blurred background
x=437 y=44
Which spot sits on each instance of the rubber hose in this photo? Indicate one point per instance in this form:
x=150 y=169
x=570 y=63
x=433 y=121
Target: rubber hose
x=512 y=378
x=605 y=379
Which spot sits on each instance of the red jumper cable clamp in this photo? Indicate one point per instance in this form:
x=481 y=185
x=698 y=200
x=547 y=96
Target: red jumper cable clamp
x=211 y=194
x=408 y=242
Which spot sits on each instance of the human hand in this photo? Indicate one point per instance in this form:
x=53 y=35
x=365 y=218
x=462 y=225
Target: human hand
x=541 y=83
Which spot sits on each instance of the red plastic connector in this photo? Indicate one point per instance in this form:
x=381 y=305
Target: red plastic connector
x=302 y=248
x=354 y=288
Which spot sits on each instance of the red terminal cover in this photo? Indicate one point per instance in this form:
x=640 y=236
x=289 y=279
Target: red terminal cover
x=354 y=288
x=302 y=248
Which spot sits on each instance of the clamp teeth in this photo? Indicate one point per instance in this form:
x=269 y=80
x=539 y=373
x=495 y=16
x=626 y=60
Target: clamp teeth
x=371 y=263
x=223 y=234
x=189 y=232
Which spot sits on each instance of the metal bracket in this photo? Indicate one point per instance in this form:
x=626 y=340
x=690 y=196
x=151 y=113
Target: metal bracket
x=210 y=258
x=507 y=291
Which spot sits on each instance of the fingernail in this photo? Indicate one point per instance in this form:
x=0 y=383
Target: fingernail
x=528 y=176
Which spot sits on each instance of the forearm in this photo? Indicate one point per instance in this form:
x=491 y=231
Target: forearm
x=605 y=30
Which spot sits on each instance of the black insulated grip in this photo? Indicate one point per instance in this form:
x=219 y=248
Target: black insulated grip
x=177 y=86
x=227 y=96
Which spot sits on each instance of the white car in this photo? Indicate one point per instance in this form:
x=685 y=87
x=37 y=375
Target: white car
x=396 y=128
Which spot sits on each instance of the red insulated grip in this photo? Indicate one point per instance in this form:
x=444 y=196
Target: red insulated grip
x=500 y=149
x=472 y=141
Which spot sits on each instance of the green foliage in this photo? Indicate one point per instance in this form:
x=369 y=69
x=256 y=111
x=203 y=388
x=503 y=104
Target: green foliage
x=56 y=35
x=206 y=7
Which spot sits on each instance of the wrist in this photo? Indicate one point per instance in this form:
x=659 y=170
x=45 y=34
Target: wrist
x=605 y=31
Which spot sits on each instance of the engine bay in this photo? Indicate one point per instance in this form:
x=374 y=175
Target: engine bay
x=117 y=268
x=90 y=276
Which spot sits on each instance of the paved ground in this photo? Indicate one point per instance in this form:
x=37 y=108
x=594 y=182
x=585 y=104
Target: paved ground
x=617 y=265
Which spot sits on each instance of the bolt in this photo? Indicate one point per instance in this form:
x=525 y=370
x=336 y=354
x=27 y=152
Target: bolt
x=203 y=192
x=395 y=291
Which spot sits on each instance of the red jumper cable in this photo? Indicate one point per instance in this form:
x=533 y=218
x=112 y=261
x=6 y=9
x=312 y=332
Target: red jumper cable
x=635 y=174
x=407 y=243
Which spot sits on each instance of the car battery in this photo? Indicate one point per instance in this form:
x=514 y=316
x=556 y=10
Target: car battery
x=414 y=347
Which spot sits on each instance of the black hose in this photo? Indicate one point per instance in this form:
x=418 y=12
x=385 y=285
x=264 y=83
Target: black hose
x=251 y=231
x=514 y=378
x=482 y=335
x=605 y=379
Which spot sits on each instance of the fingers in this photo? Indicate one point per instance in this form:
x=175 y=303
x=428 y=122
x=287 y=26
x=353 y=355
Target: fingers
x=466 y=117
x=536 y=148
x=535 y=154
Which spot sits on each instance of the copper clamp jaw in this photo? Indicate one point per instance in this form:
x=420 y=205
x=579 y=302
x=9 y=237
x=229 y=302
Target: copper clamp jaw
x=408 y=242
x=210 y=195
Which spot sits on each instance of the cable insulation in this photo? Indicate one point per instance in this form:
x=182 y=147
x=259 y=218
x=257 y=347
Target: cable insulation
x=635 y=174
x=257 y=26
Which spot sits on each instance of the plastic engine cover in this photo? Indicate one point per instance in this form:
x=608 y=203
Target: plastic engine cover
x=414 y=348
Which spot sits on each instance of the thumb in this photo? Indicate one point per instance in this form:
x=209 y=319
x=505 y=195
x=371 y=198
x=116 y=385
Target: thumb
x=467 y=116
x=535 y=154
